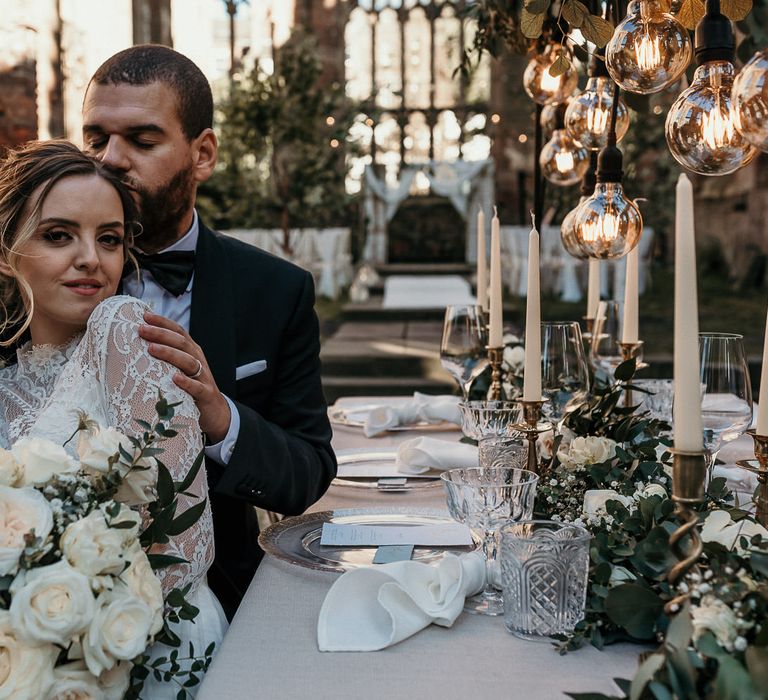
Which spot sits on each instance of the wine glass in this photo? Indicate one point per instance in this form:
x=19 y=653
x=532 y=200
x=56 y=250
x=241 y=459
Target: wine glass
x=463 y=351
x=485 y=499
x=564 y=372
x=726 y=404
x=605 y=352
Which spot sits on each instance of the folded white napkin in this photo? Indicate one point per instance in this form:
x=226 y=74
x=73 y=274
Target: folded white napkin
x=374 y=607
x=421 y=408
x=421 y=454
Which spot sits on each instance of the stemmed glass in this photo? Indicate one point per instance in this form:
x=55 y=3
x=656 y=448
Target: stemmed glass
x=492 y=424
x=463 y=351
x=605 y=353
x=564 y=372
x=726 y=404
x=485 y=499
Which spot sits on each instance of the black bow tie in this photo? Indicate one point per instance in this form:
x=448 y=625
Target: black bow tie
x=172 y=270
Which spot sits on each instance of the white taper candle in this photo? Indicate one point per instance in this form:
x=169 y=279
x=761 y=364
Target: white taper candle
x=482 y=270
x=629 y=332
x=496 y=316
x=532 y=376
x=687 y=405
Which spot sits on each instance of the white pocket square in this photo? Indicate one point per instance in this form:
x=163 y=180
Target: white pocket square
x=250 y=369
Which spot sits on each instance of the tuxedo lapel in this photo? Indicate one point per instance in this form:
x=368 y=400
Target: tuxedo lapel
x=212 y=322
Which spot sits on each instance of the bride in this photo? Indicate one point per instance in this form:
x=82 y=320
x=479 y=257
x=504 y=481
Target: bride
x=65 y=231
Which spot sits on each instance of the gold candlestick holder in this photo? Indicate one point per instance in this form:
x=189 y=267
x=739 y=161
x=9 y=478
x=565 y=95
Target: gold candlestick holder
x=689 y=478
x=495 y=356
x=628 y=351
x=531 y=428
x=761 y=470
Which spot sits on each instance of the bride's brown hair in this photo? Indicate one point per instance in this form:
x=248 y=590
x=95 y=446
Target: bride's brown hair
x=40 y=165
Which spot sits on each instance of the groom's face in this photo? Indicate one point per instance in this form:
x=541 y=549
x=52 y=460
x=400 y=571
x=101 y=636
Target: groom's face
x=136 y=131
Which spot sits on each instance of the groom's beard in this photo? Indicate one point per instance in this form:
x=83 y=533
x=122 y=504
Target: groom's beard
x=161 y=211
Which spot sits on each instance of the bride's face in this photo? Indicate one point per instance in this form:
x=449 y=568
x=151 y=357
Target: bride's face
x=74 y=260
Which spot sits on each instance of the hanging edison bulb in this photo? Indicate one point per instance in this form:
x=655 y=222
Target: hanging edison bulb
x=543 y=87
x=563 y=160
x=588 y=114
x=750 y=101
x=607 y=224
x=701 y=134
x=649 y=50
x=567 y=229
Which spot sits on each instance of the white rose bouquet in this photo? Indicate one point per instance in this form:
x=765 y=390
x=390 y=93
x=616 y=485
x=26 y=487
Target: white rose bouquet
x=80 y=602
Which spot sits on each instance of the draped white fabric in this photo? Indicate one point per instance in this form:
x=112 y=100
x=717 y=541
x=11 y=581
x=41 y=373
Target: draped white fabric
x=326 y=253
x=468 y=185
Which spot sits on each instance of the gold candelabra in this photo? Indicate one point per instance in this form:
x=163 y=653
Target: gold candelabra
x=495 y=356
x=689 y=478
x=530 y=427
x=628 y=351
x=761 y=470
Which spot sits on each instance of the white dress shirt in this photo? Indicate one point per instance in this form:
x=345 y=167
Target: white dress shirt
x=178 y=309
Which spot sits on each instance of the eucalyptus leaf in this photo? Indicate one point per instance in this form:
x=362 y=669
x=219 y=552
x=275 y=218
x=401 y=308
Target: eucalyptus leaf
x=537 y=7
x=531 y=24
x=187 y=519
x=645 y=674
x=680 y=630
x=626 y=370
x=192 y=473
x=597 y=30
x=690 y=12
x=635 y=608
x=574 y=12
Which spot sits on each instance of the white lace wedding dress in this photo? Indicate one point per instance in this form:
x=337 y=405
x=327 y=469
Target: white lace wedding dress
x=108 y=373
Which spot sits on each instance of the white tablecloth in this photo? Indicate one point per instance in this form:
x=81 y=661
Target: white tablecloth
x=426 y=291
x=271 y=650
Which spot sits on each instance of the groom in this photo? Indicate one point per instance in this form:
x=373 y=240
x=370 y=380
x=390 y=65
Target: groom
x=239 y=324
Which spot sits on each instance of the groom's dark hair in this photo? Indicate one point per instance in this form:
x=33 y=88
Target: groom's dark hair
x=152 y=63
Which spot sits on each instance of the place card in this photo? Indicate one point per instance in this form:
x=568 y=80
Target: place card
x=448 y=535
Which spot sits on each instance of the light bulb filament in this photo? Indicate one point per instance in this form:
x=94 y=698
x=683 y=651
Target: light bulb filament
x=604 y=228
x=716 y=129
x=648 y=53
x=564 y=161
x=597 y=120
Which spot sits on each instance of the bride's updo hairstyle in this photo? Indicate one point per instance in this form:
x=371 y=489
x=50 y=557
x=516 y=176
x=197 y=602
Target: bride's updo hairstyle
x=39 y=165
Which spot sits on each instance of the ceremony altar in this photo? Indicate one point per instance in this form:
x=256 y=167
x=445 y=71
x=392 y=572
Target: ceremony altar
x=271 y=649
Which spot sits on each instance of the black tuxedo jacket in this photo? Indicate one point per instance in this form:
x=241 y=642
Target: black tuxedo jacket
x=248 y=305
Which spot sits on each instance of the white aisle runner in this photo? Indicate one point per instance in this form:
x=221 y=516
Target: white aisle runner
x=426 y=291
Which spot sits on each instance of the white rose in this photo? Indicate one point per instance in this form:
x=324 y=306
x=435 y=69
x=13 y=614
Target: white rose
x=95 y=448
x=41 y=459
x=720 y=527
x=21 y=511
x=75 y=682
x=51 y=604
x=544 y=444
x=143 y=583
x=654 y=490
x=713 y=615
x=115 y=681
x=595 y=501
x=514 y=357
x=25 y=671
x=120 y=630
x=93 y=547
x=10 y=470
x=584 y=451
x=139 y=485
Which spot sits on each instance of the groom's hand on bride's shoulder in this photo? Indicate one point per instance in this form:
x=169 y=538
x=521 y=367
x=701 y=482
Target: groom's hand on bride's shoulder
x=170 y=342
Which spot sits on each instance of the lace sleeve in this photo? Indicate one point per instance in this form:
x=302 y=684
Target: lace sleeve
x=131 y=379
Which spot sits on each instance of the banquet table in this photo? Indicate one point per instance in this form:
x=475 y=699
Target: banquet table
x=270 y=650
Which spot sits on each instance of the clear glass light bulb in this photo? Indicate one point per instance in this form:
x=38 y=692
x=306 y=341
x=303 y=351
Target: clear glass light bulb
x=589 y=114
x=607 y=224
x=563 y=161
x=649 y=50
x=749 y=107
x=543 y=87
x=700 y=130
x=568 y=232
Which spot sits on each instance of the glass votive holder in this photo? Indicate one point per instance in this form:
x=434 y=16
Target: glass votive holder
x=544 y=569
x=501 y=452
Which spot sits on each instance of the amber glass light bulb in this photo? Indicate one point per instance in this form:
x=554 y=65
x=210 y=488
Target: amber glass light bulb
x=543 y=87
x=608 y=225
x=568 y=232
x=563 y=161
x=588 y=116
x=701 y=134
x=649 y=50
x=749 y=104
